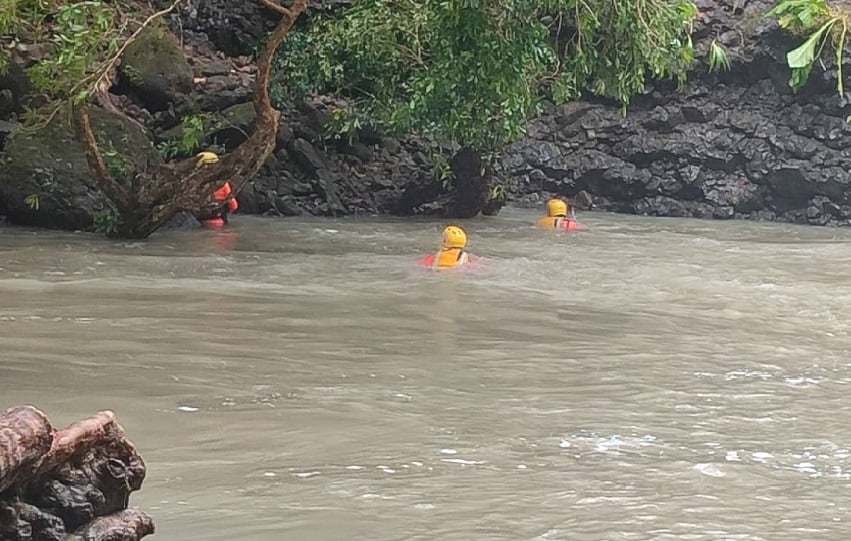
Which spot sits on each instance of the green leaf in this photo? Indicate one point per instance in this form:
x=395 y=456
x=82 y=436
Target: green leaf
x=840 y=48
x=799 y=77
x=805 y=54
x=471 y=71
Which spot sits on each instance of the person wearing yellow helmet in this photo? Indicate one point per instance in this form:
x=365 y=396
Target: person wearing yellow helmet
x=219 y=217
x=452 y=251
x=560 y=215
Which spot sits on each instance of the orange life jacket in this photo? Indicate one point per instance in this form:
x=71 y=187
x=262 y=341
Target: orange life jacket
x=220 y=218
x=222 y=193
x=450 y=257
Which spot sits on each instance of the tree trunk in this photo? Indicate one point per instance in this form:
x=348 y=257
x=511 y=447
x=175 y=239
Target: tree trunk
x=155 y=197
x=72 y=484
x=471 y=192
x=472 y=184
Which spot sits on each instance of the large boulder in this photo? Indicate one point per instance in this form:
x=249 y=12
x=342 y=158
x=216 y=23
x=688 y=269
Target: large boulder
x=233 y=125
x=45 y=179
x=154 y=70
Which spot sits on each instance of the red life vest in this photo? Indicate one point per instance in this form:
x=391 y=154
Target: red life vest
x=220 y=217
x=567 y=223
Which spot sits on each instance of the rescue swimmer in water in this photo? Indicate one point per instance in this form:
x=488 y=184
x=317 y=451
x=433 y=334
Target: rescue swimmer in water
x=219 y=217
x=560 y=215
x=451 y=252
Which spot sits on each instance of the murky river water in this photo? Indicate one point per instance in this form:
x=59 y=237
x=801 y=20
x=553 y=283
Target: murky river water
x=305 y=380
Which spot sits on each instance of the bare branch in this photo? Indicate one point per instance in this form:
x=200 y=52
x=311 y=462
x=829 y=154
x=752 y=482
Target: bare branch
x=115 y=57
x=115 y=191
x=244 y=162
x=274 y=6
x=105 y=101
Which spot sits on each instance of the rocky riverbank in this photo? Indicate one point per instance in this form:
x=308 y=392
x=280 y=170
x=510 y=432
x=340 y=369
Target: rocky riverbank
x=734 y=145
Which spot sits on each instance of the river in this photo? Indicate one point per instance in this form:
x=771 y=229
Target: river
x=304 y=379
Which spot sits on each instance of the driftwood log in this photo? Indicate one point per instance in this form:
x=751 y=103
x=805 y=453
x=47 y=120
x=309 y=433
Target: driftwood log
x=72 y=484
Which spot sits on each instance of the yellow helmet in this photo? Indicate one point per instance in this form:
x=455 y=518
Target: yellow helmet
x=454 y=237
x=556 y=207
x=206 y=157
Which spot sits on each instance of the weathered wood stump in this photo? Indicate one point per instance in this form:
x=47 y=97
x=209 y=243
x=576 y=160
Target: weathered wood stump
x=72 y=484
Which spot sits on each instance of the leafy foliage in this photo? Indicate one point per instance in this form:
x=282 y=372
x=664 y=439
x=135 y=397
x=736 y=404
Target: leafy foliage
x=471 y=71
x=799 y=16
x=440 y=169
x=33 y=201
x=823 y=24
x=193 y=129
x=107 y=222
x=76 y=39
x=119 y=166
x=718 y=58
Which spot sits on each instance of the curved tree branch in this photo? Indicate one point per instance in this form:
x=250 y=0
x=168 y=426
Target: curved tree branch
x=274 y=6
x=100 y=79
x=240 y=166
x=111 y=61
x=105 y=101
x=160 y=194
x=111 y=187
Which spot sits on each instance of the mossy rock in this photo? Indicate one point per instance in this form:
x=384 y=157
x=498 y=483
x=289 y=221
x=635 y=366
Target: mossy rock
x=175 y=133
x=233 y=125
x=154 y=70
x=241 y=115
x=45 y=179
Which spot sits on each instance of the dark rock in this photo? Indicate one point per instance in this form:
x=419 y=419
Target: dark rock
x=215 y=69
x=6 y=130
x=219 y=83
x=363 y=152
x=723 y=213
x=271 y=162
x=14 y=86
x=231 y=127
x=45 y=179
x=285 y=135
x=733 y=145
x=329 y=190
x=286 y=207
x=392 y=145
x=154 y=70
x=183 y=221
x=303 y=131
x=314 y=115
x=693 y=114
x=367 y=135
x=241 y=116
x=235 y=29
x=583 y=201
x=306 y=156
x=219 y=100
x=301 y=188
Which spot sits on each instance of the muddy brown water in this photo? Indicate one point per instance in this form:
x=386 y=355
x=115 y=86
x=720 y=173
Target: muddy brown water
x=304 y=379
